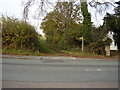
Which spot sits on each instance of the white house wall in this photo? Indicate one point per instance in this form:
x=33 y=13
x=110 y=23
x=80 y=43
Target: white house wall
x=112 y=45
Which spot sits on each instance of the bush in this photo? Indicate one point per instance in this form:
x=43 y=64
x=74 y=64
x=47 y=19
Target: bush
x=19 y=35
x=98 y=46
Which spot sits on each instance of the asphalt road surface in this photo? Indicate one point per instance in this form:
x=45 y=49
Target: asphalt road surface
x=58 y=72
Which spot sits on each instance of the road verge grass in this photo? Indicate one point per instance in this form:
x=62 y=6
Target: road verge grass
x=20 y=52
x=82 y=54
x=61 y=53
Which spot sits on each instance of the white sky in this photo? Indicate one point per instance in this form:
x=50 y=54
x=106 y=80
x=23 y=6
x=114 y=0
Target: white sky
x=11 y=8
x=15 y=8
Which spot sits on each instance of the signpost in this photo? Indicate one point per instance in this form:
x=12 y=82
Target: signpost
x=81 y=38
x=82 y=43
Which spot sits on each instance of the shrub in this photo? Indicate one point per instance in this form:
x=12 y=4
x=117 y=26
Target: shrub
x=18 y=34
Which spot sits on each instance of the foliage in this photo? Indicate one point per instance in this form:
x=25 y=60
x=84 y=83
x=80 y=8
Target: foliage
x=99 y=39
x=43 y=46
x=94 y=37
x=112 y=21
x=60 y=26
x=98 y=47
x=19 y=35
x=20 y=52
x=113 y=24
x=87 y=24
x=99 y=33
x=63 y=32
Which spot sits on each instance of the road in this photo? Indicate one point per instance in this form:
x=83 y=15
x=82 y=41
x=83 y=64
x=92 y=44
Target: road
x=60 y=72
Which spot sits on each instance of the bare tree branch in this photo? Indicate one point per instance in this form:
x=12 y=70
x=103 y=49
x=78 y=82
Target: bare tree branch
x=26 y=9
x=99 y=6
x=42 y=6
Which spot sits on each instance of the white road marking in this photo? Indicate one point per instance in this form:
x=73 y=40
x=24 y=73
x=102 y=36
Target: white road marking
x=99 y=69
x=94 y=70
x=73 y=58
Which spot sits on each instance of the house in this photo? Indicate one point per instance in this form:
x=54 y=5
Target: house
x=113 y=46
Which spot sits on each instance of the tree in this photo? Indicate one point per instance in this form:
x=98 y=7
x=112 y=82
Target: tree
x=94 y=36
x=112 y=21
x=99 y=39
x=61 y=26
x=42 y=6
x=87 y=24
x=113 y=24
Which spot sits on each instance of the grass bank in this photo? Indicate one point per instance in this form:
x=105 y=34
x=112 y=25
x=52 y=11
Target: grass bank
x=20 y=52
x=61 y=53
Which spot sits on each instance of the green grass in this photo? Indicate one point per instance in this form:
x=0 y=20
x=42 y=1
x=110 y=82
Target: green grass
x=44 y=47
x=77 y=53
x=26 y=52
x=20 y=52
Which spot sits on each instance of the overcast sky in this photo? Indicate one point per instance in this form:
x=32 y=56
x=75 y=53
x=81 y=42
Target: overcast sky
x=11 y=8
x=15 y=8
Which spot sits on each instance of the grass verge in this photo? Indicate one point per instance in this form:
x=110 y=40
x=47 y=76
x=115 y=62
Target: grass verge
x=77 y=53
x=82 y=54
x=62 y=53
x=20 y=52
